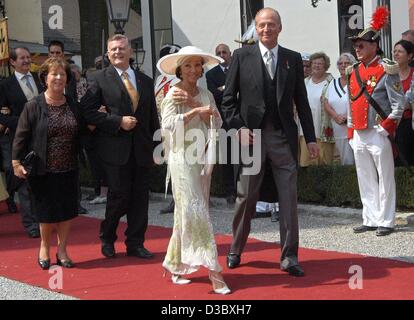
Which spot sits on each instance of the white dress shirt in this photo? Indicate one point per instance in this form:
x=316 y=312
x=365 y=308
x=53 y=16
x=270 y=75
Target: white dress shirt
x=264 y=50
x=131 y=75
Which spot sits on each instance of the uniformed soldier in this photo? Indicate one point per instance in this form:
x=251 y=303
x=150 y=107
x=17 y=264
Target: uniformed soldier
x=377 y=104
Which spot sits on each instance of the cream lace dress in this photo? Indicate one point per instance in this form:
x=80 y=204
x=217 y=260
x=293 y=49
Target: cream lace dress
x=192 y=243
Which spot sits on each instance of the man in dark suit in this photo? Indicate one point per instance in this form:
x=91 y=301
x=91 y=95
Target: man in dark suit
x=124 y=143
x=263 y=83
x=15 y=91
x=216 y=79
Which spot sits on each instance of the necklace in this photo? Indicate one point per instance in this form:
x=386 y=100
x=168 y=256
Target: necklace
x=55 y=102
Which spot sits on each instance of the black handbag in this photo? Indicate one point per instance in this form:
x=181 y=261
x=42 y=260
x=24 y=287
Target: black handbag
x=29 y=164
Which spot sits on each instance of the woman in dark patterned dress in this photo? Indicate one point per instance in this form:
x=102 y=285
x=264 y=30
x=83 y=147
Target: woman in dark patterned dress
x=49 y=125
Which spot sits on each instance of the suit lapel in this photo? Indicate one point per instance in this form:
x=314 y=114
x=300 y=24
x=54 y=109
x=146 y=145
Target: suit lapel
x=19 y=91
x=256 y=65
x=117 y=79
x=126 y=101
x=282 y=73
x=141 y=92
x=220 y=74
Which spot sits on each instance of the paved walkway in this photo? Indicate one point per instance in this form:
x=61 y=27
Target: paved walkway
x=320 y=228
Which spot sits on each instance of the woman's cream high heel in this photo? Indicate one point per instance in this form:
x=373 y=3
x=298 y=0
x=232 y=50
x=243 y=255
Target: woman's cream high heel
x=177 y=279
x=223 y=290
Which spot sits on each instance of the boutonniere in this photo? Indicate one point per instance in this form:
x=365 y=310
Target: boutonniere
x=287 y=64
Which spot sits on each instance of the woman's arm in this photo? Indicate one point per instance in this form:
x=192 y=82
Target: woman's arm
x=22 y=139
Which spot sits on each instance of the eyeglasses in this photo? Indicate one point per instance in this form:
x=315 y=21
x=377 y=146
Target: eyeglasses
x=358 y=46
x=221 y=52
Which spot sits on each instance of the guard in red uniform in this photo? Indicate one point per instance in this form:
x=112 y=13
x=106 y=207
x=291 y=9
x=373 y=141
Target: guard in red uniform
x=377 y=104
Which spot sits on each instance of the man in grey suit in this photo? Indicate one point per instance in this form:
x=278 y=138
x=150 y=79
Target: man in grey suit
x=262 y=85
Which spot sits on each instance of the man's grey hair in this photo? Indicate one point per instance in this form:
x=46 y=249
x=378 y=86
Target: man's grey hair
x=268 y=9
x=118 y=37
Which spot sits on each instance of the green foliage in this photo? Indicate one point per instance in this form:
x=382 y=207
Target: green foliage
x=325 y=185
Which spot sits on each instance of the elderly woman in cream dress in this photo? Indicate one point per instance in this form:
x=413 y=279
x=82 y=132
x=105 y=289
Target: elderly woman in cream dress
x=186 y=107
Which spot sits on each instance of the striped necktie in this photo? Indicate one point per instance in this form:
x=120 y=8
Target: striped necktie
x=26 y=78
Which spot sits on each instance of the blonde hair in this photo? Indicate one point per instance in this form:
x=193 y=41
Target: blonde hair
x=319 y=55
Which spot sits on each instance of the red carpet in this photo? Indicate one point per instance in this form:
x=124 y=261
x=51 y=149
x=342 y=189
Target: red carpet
x=259 y=276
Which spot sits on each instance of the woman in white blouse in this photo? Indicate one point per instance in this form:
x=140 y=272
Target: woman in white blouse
x=336 y=105
x=316 y=86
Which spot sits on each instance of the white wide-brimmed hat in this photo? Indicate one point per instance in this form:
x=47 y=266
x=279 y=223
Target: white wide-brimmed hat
x=169 y=63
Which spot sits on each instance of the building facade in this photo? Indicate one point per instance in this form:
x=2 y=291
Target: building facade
x=306 y=28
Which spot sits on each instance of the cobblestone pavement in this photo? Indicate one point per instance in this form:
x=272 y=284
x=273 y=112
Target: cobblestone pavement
x=320 y=228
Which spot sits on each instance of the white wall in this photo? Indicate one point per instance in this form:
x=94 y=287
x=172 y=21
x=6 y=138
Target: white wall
x=205 y=24
x=25 y=20
x=400 y=19
x=309 y=29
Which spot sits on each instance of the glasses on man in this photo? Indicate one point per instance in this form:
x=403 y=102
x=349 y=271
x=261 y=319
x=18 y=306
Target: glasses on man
x=358 y=46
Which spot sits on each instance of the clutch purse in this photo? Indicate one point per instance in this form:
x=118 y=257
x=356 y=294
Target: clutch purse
x=29 y=162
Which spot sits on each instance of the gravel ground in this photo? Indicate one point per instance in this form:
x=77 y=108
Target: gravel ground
x=320 y=228
x=14 y=290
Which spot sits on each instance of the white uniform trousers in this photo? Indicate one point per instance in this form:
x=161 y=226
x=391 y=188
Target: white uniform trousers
x=375 y=170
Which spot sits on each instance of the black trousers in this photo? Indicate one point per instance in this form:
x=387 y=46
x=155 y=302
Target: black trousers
x=405 y=142
x=128 y=193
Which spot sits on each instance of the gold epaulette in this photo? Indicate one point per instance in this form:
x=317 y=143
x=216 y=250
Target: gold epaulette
x=349 y=69
x=390 y=67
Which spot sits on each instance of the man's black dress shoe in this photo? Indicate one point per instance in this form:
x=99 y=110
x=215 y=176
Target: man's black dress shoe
x=169 y=208
x=363 y=228
x=233 y=260
x=295 y=271
x=34 y=233
x=108 y=250
x=383 y=231
x=44 y=264
x=11 y=205
x=140 y=252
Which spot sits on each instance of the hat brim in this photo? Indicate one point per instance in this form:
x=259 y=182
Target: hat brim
x=168 y=64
